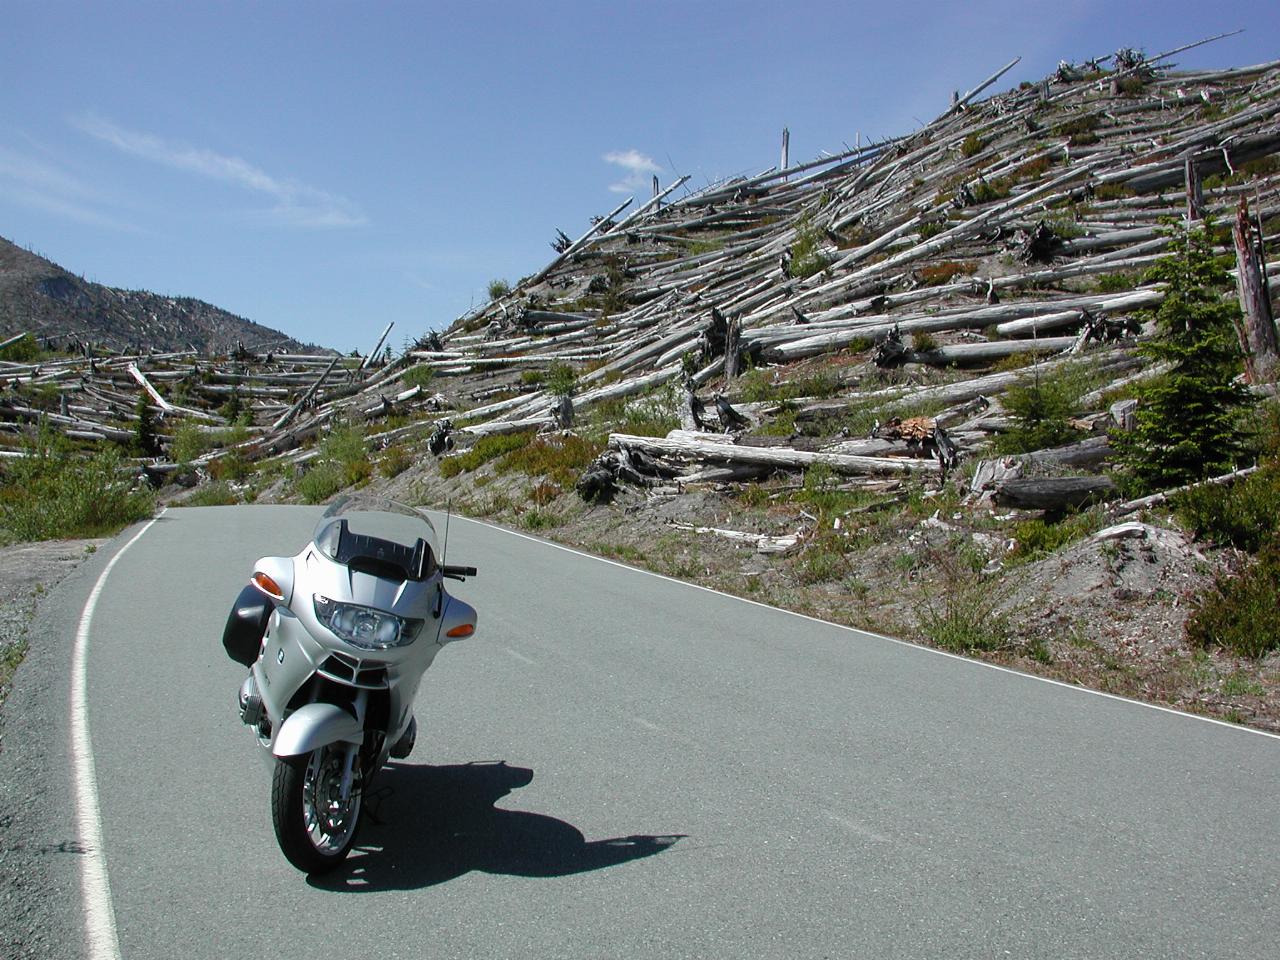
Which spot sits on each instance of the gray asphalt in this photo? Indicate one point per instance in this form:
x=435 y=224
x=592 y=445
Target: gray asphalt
x=618 y=765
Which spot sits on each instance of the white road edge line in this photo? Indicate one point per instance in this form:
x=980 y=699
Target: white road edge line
x=880 y=636
x=99 y=915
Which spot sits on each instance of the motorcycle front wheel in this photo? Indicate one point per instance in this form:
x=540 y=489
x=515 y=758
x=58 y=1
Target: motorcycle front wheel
x=314 y=825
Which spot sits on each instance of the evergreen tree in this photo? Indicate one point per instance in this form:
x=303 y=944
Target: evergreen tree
x=144 y=438
x=1188 y=420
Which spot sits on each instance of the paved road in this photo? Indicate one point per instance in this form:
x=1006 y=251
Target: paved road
x=618 y=765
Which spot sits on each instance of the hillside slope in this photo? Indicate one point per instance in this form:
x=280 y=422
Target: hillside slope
x=818 y=387
x=39 y=297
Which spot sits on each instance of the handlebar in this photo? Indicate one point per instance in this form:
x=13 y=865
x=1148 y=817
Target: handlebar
x=454 y=572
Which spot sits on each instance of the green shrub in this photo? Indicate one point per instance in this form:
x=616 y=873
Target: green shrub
x=25 y=350
x=806 y=254
x=498 y=289
x=561 y=380
x=1079 y=129
x=560 y=458
x=1116 y=282
x=823 y=558
x=1038 y=538
x=923 y=341
x=342 y=460
x=697 y=247
x=191 y=440
x=231 y=466
x=482 y=451
x=395 y=460
x=820 y=493
x=984 y=191
x=1113 y=191
x=928 y=231
x=345 y=446
x=538 y=519
x=1245 y=514
x=419 y=376
x=757 y=386
x=971 y=146
x=319 y=483
x=1040 y=407
x=962 y=612
x=216 y=494
x=50 y=493
x=1132 y=86
x=1238 y=612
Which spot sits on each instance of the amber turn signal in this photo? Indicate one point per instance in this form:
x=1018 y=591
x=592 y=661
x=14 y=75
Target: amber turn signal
x=462 y=630
x=267 y=585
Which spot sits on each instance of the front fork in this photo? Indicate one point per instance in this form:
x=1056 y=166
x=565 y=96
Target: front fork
x=353 y=749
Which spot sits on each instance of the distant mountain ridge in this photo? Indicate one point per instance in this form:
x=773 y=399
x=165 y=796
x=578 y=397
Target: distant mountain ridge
x=40 y=297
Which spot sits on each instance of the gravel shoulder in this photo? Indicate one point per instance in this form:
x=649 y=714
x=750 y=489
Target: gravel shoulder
x=40 y=585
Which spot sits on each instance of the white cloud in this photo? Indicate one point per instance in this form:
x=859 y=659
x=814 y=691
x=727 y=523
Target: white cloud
x=639 y=169
x=38 y=184
x=296 y=204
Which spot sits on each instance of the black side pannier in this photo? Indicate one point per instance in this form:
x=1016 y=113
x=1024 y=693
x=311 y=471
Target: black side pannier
x=242 y=636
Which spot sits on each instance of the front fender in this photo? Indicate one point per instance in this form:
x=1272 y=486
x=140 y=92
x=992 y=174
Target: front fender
x=313 y=726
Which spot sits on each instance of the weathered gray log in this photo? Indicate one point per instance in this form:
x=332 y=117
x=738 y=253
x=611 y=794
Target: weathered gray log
x=601 y=224
x=1155 y=499
x=1258 y=335
x=729 y=453
x=12 y=340
x=1138 y=300
x=961 y=102
x=164 y=404
x=508 y=426
x=1056 y=494
x=1086 y=455
x=655 y=200
x=302 y=401
x=964 y=353
x=377 y=346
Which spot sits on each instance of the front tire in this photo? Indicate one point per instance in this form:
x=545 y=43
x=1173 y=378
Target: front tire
x=314 y=825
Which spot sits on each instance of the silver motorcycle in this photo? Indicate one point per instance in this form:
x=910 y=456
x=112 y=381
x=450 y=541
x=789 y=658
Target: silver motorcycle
x=337 y=639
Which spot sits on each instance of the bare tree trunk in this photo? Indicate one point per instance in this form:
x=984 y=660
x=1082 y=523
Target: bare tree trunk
x=1258 y=335
x=733 y=349
x=1195 y=192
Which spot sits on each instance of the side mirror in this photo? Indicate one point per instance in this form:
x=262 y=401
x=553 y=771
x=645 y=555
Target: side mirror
x=458 y=621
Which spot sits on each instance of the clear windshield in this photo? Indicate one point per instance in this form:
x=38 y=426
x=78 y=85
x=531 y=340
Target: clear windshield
x=377 y=533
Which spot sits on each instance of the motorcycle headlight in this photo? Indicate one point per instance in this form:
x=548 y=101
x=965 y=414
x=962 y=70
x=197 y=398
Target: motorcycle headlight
x=365 y=627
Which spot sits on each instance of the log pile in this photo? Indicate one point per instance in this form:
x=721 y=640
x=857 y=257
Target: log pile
x=917 y=276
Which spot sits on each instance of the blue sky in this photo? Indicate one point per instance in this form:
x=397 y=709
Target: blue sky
x=327 y=167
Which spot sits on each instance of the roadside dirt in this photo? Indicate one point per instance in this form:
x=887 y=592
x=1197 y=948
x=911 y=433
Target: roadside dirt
x=28 y=571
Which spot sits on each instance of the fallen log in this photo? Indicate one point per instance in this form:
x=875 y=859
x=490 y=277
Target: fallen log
x=729 y=453
x=762 y=542
x=1054 y=495
x=302 y=401
x=1155 y=499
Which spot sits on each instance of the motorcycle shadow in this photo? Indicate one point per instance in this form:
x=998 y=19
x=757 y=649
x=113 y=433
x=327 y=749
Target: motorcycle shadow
x=426 y=825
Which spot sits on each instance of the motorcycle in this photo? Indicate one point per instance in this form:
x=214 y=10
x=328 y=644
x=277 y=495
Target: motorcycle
x=336 y=640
